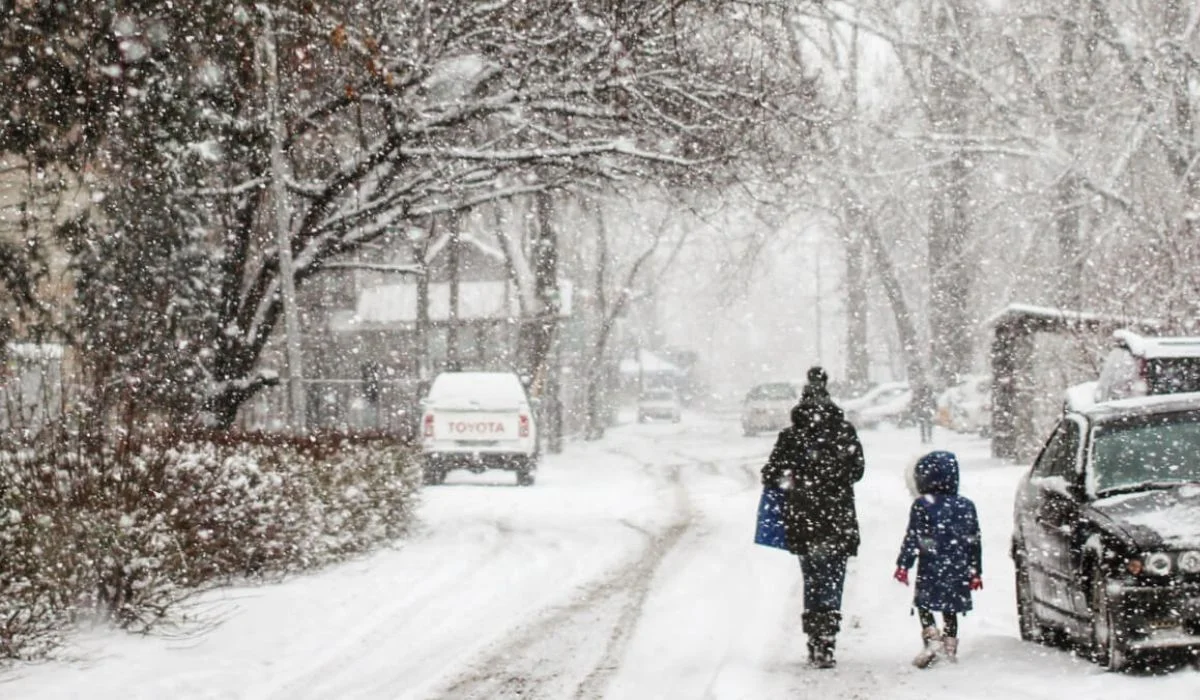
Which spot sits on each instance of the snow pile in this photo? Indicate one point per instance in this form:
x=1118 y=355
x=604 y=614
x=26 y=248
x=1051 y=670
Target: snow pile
x=127 y=533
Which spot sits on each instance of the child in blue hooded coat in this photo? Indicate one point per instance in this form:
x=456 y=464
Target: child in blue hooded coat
x=943 y=539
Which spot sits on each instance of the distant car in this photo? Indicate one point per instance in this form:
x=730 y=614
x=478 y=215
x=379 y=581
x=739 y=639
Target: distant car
x=478 y=421
x=659 y=404
x=768 y=407
x=1147 y=366
x=884 y=403
x=1106 y=530
x=966 y=407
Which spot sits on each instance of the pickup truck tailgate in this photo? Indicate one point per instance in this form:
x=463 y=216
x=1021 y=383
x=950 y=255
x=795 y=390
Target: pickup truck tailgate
x=476 y=426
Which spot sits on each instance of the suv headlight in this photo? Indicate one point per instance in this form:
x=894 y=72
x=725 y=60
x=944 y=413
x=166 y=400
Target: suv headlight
x=1158 y=564
x=1189 y=562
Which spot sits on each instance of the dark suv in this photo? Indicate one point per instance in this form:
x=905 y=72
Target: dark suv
x=1106 y=536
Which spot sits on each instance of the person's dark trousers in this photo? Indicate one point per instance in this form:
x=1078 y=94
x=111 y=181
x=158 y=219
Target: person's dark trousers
x=926 y=430
x=824 y=577
x=949 y=622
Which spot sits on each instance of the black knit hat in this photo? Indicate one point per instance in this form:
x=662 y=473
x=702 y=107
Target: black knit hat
x=817 y=376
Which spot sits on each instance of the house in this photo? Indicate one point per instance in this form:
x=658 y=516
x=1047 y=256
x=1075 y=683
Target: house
x=384 y=324
x=367 y=346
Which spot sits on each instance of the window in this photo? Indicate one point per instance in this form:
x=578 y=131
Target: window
x=1173 y=375
x=1142 y=450
x=1066 y=459
x=1045 y=464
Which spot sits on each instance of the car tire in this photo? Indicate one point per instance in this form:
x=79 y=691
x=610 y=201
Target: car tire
x=1030 y=627
x=525 y=478
x=432 y=476
x=1107 y=649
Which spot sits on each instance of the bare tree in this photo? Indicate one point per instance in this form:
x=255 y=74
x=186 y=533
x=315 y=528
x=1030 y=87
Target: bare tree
x=618 y=270
x=392 y=113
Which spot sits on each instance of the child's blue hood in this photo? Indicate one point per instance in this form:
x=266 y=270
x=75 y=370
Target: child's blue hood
x=937 y=473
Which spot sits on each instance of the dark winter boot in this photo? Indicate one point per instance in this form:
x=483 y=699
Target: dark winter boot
x=931 y=638
x=822 y=628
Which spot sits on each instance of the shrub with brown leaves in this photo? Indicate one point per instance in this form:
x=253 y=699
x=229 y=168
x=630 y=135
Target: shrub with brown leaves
x=127 y=532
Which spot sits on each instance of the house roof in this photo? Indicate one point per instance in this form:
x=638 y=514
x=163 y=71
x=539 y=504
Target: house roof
x=439 y=245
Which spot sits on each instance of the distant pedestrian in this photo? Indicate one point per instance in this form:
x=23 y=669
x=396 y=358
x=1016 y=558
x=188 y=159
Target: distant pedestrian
x=816 y=462
x=943 y=539
x=924 y=406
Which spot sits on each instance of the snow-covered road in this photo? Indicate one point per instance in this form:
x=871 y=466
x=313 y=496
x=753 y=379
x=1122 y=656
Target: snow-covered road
x=626 y=572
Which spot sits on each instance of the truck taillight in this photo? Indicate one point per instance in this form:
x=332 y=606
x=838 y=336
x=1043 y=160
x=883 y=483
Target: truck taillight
x=428 y=425
x=523 y=426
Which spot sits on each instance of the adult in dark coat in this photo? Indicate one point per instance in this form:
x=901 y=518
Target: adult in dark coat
x=816 y=462
x=924 y=407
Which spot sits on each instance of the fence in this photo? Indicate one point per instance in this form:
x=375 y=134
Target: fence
x=339 y=405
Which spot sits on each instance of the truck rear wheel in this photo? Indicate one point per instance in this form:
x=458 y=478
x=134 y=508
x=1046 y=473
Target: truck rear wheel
x=432 y=474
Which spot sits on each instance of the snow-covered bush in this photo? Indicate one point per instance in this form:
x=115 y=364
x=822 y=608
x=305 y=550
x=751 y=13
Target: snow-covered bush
x=127 y=532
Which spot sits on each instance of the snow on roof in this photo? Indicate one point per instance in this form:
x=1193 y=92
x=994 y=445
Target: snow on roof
x=648 y=362
x=397 y=303
x=1142 y=405
x=1158 y=346
x=1050 y=313
x=436 y=248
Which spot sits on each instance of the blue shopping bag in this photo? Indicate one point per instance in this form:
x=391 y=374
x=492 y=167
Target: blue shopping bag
x=769 y=531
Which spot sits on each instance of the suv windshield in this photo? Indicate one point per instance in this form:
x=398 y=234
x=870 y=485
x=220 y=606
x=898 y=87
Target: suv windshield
x=1173 y=375
x=1146 y=452
x=781 y=391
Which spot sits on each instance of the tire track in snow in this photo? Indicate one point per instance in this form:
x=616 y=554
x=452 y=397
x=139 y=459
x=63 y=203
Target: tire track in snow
x=575 y=649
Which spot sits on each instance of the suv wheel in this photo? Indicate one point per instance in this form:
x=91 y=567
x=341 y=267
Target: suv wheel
x=1107 y=647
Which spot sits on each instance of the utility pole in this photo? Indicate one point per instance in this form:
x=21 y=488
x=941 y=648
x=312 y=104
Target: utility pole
x=297 y=409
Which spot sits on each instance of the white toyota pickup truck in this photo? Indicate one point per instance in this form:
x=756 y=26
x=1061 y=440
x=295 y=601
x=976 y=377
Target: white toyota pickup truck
x=478 y=421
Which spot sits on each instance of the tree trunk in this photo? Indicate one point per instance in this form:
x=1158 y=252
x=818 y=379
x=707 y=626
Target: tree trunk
x=1067 y=224
x=894 y=292
x=453 y=253
x=951 y=337
x=596 y=367
x=1070 y=246
x=857 y=360
x=544 y=329
x=421 y=325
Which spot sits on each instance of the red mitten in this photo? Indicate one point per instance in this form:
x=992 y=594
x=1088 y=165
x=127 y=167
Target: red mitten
x=901 y=575
x=976 y=583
